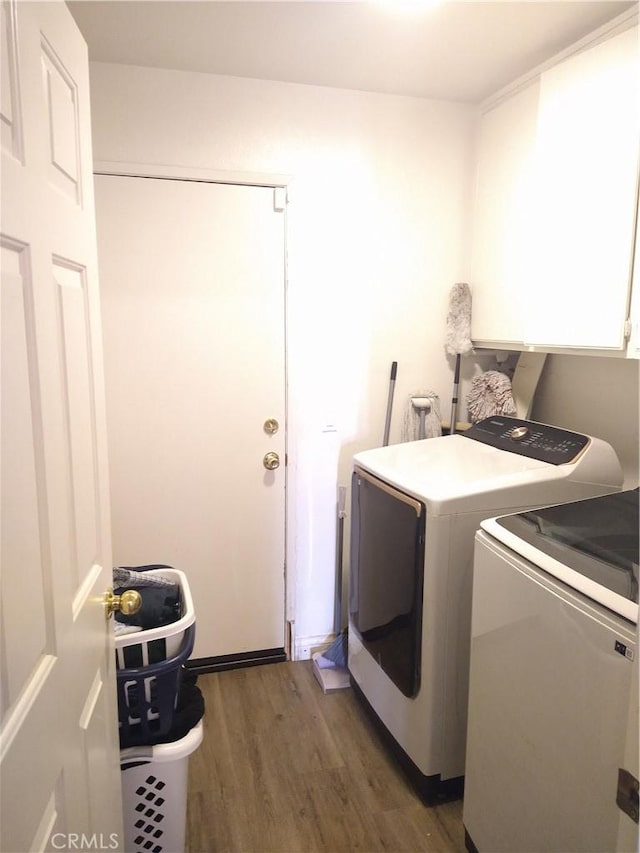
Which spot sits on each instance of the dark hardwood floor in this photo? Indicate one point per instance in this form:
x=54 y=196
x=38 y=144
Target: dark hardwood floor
x=284 y=768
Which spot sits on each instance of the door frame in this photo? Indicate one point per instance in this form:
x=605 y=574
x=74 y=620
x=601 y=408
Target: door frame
x=283 y=182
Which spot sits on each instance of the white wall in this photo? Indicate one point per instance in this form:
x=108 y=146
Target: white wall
x=377 y=230
x=597 y=396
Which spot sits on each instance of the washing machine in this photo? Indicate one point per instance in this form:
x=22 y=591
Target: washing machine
x=415 y=510
x=552 y=756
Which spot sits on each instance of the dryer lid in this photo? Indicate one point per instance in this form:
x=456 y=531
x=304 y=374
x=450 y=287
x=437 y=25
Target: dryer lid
x=489 y=470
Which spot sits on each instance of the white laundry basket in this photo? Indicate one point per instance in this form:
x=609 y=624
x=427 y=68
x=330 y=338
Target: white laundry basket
x=154 y=794
x=150 y=667
x=145 y=643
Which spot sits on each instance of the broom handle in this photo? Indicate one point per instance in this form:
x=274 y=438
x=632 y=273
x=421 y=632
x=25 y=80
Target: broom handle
x=337 y=602
x=387 y=423
x=454 y=399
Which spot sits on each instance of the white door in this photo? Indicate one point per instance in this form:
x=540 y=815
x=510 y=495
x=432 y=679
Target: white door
x=192 y=284
x=59 y=768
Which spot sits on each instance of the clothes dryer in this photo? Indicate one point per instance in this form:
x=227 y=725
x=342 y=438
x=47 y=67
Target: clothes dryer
x=415 y=510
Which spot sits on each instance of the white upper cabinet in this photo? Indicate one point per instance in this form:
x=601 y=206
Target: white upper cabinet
x=586 y=188
x=502 y=227
x=634 y=321
x=555 y=212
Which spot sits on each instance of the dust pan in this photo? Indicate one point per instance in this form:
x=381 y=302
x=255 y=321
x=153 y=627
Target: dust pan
x=330 y=667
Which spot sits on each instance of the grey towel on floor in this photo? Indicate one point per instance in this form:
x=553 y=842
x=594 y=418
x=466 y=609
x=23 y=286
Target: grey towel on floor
x=490 y=395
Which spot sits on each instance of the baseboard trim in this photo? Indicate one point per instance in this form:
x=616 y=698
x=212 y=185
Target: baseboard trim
x=304 y=647
x=236 y=661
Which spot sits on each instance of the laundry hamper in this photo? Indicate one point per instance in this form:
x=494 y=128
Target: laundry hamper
x=158 y=728
x=154 y=794
x=150 y=665
x=154 y=644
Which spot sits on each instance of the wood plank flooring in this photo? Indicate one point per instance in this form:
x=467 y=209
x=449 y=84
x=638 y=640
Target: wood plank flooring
x=284 y=768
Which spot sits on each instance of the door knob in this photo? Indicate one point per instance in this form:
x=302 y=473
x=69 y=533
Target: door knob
x=271 y=461
x=128 y=603
x=271 y=426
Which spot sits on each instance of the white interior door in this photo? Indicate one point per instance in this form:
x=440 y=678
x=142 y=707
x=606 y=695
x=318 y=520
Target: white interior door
x=192 y=283
x=59 y=763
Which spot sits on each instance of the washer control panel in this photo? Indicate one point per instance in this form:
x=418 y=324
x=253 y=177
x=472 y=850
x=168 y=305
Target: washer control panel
x=527 y=438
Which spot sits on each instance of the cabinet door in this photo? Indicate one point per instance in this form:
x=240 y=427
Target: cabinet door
x=586 y=178
x=633 y=350
x=501 y=217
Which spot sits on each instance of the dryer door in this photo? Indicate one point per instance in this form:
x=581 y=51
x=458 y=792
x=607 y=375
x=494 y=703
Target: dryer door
x=386 y=577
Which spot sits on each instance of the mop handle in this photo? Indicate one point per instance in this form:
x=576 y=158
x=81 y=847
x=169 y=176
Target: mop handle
x=337 y=601
x=454 y=399
x=392 y=383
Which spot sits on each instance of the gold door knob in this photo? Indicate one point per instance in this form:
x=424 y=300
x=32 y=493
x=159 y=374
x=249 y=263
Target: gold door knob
x=271 y=461
x=128 y=603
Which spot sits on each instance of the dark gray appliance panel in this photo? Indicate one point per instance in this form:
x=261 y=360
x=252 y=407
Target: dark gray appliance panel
x=386 y=573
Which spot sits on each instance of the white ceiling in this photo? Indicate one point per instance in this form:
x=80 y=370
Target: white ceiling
x=462 y=50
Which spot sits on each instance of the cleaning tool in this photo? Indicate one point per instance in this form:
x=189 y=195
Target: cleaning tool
x=422 y=418
x=392 y=385
x=490 y=395
x=330 y=666
x=337 y=610
x=422 y=405
x=458 y=337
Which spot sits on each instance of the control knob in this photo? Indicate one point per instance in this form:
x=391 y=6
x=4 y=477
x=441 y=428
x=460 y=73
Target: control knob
x=518 y=433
